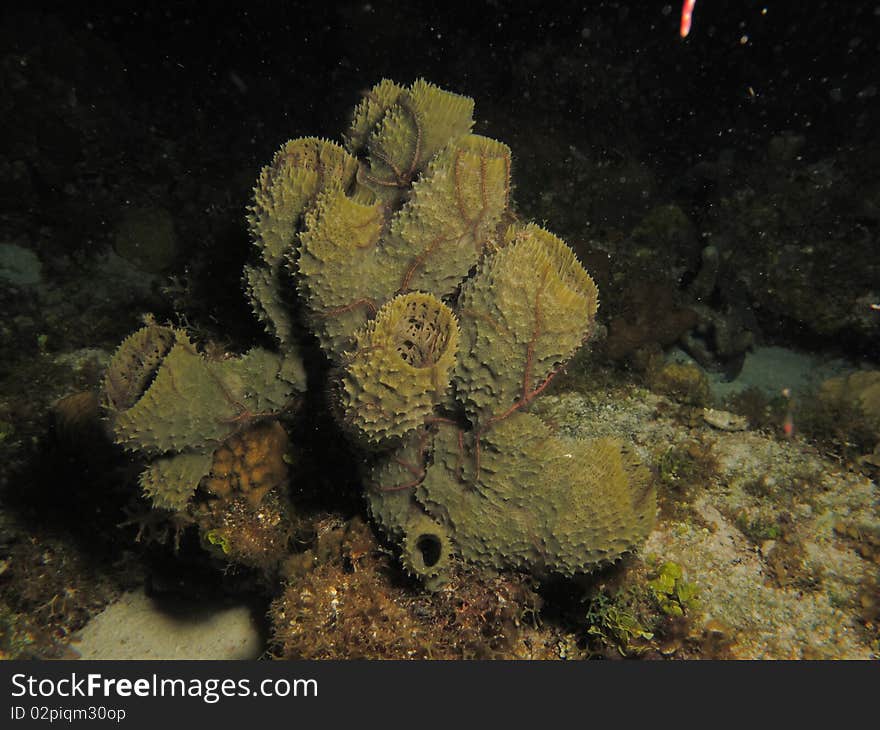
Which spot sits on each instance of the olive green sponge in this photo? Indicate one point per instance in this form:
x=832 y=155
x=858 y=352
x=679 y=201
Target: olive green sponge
x=135 y=364
x=426 y=549
x=401 y=131
x=450 y=217
x=174 y=406
x=525 y=313
x=443 y=318
x=401 y=367
x=340 y=280
x=523 y=498
x=300 y=170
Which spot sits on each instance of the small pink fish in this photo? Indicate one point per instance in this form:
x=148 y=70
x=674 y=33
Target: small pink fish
x=788 y=425
x=687 y=11
x=788 y=421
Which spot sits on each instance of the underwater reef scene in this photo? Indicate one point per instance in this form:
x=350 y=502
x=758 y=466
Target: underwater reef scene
x=558 y=340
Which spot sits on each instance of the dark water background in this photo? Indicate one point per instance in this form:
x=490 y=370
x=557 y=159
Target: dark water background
x=119 y=105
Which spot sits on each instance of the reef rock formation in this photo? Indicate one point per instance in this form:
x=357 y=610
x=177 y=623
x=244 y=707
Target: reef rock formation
x=856 y=398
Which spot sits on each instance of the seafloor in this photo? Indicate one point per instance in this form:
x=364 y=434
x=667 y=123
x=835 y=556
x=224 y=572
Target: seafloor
x=723 y=192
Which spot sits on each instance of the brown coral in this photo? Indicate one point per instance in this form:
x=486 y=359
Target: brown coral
x=252 y=521
x=249 y=463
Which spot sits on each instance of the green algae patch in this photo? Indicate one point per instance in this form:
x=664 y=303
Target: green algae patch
x=674 y=595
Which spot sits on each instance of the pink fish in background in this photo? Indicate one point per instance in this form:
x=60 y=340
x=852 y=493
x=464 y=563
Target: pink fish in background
x=788 y=421
x=687 y=11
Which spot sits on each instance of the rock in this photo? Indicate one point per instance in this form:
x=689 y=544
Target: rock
x=140 y=627
x=724 y=420
x=19 y=266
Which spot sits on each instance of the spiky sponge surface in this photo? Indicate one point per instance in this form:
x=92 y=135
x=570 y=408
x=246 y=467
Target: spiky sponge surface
x=170 y=481
x=525 y=313
x=300 y=170
x=174 y=406
x=443 y=319
x=408 y=133
x=452 y=212
x=411 y=273
x=537 y=501
x=401 y=367
x=134 y=365
x=523 y=499
x=185 y=407
x=339 y=278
